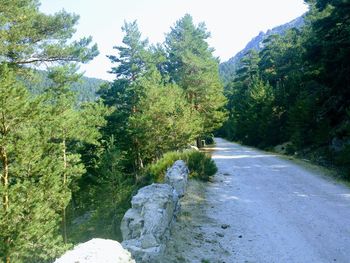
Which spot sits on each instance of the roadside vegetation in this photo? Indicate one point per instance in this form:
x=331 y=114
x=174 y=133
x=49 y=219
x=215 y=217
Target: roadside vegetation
x=70 y=159
x=200 y=165
x=295 y=91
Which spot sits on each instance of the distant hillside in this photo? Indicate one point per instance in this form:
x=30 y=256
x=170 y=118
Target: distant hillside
x=86 y=89
x=228 y=68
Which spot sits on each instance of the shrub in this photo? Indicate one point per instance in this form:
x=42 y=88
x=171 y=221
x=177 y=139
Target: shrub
x=209 y=139
x=343 y=159
x=157 y=170
x=200 y=164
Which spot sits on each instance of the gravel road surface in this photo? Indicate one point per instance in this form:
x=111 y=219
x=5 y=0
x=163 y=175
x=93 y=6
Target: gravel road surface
x=262 y=208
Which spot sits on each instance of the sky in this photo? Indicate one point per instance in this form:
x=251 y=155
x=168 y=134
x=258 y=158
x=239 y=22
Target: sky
x=232 y=23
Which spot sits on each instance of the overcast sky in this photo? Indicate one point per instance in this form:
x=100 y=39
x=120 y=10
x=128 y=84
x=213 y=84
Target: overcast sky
x=232 y=23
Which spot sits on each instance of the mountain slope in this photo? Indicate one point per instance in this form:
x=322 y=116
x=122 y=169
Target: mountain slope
x=86 y=88
x=228 y=68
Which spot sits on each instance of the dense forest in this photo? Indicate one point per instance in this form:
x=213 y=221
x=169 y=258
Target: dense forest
x=295 y=91
x=228 y=68
x=70 y=159
x=74 y=150
x=85 y=89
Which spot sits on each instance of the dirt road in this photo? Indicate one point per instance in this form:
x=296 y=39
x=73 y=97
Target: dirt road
x=261 y=208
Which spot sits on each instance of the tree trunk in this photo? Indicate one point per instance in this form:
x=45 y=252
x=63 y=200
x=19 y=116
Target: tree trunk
x=64 y=225
x=5 y=178
x=199 y=142
x=64 y=219
x=5 y=197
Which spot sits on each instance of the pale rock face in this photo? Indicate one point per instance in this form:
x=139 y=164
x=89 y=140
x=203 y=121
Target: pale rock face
x=145 y=226
x=97 y=251
x=177 y=177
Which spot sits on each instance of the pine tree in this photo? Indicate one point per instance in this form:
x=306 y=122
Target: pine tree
x=28 y=36
x=133 y=61
x=164 y=121
x=31 y=166
x=327 y=57
x=193 y=67
x=30 y=181
x=68 y=125
x=132 y=57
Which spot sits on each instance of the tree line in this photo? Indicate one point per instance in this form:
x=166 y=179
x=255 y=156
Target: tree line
x=296 y=89
x=61 y=158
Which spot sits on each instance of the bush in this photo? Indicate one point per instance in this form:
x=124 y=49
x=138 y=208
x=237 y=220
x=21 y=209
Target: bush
x=209 y=139
x=343 y=159
x=157 y=170
x=200 y=164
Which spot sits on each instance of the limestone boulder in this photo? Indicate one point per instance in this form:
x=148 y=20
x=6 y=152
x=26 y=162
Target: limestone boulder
x=97 y=251
x=177 y=177
x=145 y=226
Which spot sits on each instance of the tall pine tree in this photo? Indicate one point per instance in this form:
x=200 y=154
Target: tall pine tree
x=193 y=67
x=132 y=62
x=30 y=181
x=31 y=172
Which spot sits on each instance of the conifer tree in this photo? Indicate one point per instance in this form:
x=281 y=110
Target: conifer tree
x=28 y=36
x=31 y=156
x=30 y=177
x=70 y=125
x=165 y=121
x=193 y=67
x=132 y=57
x=133 y=61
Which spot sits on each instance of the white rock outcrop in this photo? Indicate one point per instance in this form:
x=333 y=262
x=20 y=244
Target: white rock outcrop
x=177 y=177
x=97 y=251
x=145 y=227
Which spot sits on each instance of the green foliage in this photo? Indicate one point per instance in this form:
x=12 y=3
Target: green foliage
x=69 y=162
x=252 y=115
x=30 y=177
x=209 y=139
x=39 y=162
x=297 y=87
x=29 y=36
x=158 y=169
x=343 y=160
x=164 y=120
x=132 y=57
x=133 y=61
x=155 y=111
x=192 y=66
x=228 y=69
x=200 y=164
x=85 y=89
x=105 y=200
x=39 y=131
x=159 y=107
x=70 y=126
